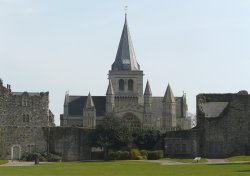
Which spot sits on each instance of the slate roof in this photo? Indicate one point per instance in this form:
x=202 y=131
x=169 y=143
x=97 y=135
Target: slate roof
x=125 y=57
x=77 y=103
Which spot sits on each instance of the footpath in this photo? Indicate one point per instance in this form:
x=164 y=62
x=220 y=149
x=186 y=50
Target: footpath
x=19 y=163
x=209 y=161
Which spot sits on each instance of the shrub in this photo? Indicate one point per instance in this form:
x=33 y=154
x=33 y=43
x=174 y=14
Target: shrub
x=135 y=153
x=33 y=156
x=119 y=155
x=144 y=153
x=124 y=155
x=41 y=157
x=155 y=155
x=53 y=157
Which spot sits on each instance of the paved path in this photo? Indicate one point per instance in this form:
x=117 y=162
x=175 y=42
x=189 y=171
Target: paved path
x=20 y=163
x=164 y=162
x=209 y=161
x=217 y=161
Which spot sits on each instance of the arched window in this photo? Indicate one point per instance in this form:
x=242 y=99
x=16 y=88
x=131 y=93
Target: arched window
x=130 y=84
x=121 y=84
x=131 y=121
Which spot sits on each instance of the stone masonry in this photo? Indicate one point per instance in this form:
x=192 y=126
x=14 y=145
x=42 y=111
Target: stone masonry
x=223 y=128
x=24 y=108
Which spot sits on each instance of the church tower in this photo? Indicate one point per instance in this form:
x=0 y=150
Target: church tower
x=147 y=113
x=125 y=74
x=89 y=114
x=169 y=110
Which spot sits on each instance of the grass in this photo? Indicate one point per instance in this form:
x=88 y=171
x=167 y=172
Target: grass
x=186 y=160
x=126 y=168
x=3 y=161
x=239 y=158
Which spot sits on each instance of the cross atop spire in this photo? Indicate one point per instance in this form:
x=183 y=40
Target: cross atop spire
x=125 y=57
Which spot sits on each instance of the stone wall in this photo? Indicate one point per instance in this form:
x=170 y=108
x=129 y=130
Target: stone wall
x=182 y=143
x=24 y=109
x=69 y=142
x=227 y=132
x=27 y=139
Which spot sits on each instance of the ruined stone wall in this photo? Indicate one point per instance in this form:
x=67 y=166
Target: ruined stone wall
x=69 y=142
x=28 y=139
x=24 y=109
x=229 y=132
x=182 y=143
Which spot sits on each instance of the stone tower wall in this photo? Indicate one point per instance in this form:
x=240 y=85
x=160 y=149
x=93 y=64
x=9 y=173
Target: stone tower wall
x=136 y=76
x=229 y=133
x=24 y=109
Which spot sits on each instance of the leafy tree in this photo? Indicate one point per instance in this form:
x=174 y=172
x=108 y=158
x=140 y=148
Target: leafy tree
x=146 y=139
x=111 y=133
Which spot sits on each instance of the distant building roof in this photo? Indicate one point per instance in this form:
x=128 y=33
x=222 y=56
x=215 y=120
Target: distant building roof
x=77 y=103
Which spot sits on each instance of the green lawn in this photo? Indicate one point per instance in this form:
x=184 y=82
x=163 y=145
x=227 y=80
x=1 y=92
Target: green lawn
x=186 y=160
x=126 y=168
x=239 y=158
x=3 y=161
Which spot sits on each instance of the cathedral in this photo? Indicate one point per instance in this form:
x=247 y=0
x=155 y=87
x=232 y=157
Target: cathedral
x=126 y=99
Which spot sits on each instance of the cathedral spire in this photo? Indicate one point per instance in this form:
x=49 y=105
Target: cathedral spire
x=110 y=90
x=147 y=89
x=89 y=102
x=169 y=96
x=125 y=57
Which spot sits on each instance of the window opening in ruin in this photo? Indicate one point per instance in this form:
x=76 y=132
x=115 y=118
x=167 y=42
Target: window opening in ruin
x=26 y=118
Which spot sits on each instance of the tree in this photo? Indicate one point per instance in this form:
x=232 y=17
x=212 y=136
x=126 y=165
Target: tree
x=111 y=133
x=146 y=139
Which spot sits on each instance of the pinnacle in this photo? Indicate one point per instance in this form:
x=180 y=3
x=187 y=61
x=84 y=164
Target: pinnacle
x=169 y=96
x=147 y=89
x=89 y=102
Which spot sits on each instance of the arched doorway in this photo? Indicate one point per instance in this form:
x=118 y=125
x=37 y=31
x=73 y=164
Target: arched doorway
x=16 y=152
x=131 y=121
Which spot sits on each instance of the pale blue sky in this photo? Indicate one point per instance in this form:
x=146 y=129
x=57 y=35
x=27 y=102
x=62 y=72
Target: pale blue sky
x=58 y=45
